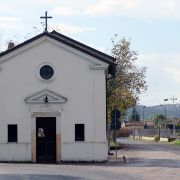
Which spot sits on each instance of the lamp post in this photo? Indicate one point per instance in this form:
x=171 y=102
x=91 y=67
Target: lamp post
x=173 y=99
x=159 y=127
x=153 y=113
x=165 y=111
x=143 y=122
x=143 y=112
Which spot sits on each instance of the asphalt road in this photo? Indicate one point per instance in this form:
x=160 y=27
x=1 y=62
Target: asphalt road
x=146 y=161
x=58 y=172
x=151 y=160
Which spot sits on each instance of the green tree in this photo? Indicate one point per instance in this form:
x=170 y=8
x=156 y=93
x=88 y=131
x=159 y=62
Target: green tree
x=159 y=120
x=123 y=91
x=134 y=115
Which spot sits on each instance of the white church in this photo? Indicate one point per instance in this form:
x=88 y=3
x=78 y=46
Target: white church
x=53 y=100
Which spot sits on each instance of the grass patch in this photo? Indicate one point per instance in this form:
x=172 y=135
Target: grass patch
x=177 y=142
x=112 y=145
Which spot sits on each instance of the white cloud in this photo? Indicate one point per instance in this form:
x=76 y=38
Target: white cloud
x=10 y=23
x=65 y=11
x=99 y=48
x=5 y=7
x=147 y=9
x=70 y=7
x=174 y=72
x=106 y=7
x=151 y=99
x=69 y=29
x=163 y=77
x=162 y=65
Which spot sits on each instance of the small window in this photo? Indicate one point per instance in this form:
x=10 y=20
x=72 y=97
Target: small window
x=79 y=132
x=46 y=72
x=12 y=133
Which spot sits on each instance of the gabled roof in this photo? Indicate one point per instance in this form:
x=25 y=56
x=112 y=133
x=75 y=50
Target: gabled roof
x=72 y=43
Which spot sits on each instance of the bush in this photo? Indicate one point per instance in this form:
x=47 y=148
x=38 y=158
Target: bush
x=178 y=126
x=156 y=138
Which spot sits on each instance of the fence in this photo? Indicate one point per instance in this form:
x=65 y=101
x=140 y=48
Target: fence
x=152 y=132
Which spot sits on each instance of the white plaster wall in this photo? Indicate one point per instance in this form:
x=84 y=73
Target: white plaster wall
x=15 y=152
x=84 y=88
x=84 y=151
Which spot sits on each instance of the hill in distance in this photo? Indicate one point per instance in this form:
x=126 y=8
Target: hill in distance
x=149 y=112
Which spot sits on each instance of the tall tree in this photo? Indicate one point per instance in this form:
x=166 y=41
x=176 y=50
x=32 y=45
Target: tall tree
x=134 y=115
x=123 y=91
x=159 y=120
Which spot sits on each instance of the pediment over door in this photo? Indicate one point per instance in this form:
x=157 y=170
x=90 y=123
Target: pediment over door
x=46 y=96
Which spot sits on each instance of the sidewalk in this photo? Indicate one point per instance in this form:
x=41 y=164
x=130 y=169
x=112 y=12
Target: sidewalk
x=114 y=159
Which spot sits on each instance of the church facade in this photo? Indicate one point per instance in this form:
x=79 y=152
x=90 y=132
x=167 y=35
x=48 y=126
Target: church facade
x=53 y=100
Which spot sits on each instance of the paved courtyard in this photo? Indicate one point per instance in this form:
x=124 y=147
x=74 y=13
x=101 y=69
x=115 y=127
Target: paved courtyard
x=58 y=172
x=146 y=161
x=151 y=160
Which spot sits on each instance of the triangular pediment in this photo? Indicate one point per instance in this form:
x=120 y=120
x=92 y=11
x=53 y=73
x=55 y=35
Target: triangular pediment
x=45 y=96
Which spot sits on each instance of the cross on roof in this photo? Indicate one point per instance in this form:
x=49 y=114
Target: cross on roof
x=46 y=17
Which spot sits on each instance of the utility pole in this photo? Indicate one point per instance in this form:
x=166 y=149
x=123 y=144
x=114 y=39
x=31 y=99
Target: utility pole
x=173 y=100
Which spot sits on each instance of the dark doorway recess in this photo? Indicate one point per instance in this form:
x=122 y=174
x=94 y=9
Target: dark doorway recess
x=46 y=139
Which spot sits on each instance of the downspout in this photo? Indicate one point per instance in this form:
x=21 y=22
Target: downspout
x=107 y=126
x=106 y=112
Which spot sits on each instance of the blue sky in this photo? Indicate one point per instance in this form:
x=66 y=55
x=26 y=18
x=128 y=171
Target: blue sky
x=152 y=25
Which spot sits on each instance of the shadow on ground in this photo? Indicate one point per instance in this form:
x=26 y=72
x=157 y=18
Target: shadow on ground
x=143 y=162
x=36 y=177
x=153 y=147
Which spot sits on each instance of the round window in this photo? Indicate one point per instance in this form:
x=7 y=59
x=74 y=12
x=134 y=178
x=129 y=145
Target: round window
x=46 y=72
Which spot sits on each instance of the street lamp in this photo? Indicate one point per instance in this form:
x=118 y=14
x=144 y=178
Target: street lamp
x=173 y=99
x=165 y=110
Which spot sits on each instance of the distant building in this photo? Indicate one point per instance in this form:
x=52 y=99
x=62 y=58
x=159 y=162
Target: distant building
x=149 y=124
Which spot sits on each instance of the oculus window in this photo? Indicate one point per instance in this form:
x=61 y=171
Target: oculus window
x=46 y=72
x=79 y=132
x=12 y=132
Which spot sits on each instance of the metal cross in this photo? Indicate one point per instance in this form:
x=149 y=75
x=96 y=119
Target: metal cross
x=46 y=17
